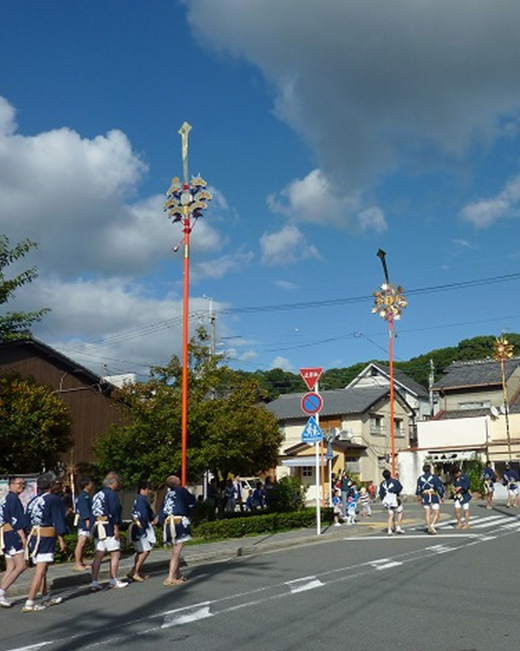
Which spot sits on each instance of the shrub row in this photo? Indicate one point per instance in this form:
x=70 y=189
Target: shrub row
x=238 y=526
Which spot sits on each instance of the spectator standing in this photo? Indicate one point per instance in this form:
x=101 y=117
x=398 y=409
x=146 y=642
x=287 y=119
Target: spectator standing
x=364 y=500
x=336 y=507
x=229 y=496
x=345 y=487
x=352 y=500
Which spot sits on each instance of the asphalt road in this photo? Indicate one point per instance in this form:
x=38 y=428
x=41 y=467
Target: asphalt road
x=453 y=592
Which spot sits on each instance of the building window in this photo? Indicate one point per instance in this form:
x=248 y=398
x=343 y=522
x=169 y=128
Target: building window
x=475 y=404
x=377 y=424
x=398 y=427
x=307 y=471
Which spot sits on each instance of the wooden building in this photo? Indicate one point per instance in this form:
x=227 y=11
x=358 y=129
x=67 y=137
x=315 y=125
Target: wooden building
x=88 y=396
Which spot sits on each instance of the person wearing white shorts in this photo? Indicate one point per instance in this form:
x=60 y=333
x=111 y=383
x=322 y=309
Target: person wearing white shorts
x=510 y=481
x=12 y=536
x=107 y=515
x=142 y=533
x=83 y=520
x=389 y=492
x=462 y=497
x=430 y=493
x=174 y=515
x=45 y=517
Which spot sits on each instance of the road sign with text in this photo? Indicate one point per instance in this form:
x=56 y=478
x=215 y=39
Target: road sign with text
x=311 y=376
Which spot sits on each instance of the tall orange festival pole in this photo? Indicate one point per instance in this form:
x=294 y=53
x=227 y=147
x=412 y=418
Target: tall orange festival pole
x=389 y=304
x=185 y=203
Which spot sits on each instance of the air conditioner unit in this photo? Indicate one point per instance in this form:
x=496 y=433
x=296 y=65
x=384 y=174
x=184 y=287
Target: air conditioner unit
x=345 y=435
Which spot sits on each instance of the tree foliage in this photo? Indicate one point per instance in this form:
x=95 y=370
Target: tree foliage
x=229 y=429
x=35 y=426
x=16 y=324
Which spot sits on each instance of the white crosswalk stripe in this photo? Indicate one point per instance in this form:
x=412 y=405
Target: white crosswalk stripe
x=487 y=522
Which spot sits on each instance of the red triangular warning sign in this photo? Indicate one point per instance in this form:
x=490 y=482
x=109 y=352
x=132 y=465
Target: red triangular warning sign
x=310 y=376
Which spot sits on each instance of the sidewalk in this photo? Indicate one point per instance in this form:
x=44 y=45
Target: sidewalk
x=62 y=577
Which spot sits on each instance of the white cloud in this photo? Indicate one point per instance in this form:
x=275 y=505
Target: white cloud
x=286 y=246
x=220 y=267
x=372 y=219
x=368 y=83
x=485 y=212
x=77 y=197
x=286 y=285
x=283 y=363
x=111 y=321
x=313 y=199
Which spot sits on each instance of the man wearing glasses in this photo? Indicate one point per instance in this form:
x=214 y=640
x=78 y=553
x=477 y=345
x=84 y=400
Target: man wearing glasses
x=12 y=536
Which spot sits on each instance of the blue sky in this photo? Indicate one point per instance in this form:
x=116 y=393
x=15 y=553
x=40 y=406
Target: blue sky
x=326 y=130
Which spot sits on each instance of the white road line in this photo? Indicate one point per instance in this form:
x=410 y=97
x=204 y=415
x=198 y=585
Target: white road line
x=301 y=585
x=459 y=534
x=189 y=615
x=384 y=563
x=441 y=549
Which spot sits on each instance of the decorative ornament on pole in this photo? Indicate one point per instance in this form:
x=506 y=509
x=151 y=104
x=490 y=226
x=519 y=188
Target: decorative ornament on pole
x=389 y=303
x=504 y=351
x=185 y=203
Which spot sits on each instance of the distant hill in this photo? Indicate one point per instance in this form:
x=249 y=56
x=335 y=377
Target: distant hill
x=276 y=381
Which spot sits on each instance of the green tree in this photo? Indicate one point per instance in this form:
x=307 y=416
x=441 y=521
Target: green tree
x=16 y=324
x=229 y=429
x=35 y=426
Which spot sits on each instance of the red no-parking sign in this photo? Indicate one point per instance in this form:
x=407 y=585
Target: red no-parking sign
x=311 y=403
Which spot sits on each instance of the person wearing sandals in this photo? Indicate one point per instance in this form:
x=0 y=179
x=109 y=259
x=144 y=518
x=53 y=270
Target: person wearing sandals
x=12 y=536
x=177 y=506
x=83 y=521
x=107 y=516
x=45 y=518
x=142 y=533
x=461 y=497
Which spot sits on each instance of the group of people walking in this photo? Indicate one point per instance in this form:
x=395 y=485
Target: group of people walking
x=430 y=492
x=30 y=535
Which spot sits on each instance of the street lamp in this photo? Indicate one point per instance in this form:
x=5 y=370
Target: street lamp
x=185 y=203
x=503 y=351
x=389 y=304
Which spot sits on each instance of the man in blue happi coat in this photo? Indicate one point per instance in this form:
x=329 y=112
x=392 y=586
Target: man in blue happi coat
x=389 y=493
x=489 y=478
x=141 y=531
x=12 y=536
x=45 y=521
x=462 y=497
x=107 y=516
x=510 y=481
x=83 y=520
x=430 y=493
x=174 y=517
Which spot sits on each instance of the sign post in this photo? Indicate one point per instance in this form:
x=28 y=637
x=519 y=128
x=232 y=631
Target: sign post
x=312 y=403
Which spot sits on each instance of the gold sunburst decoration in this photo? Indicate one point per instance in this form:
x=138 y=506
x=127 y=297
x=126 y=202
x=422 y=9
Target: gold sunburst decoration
x=503 y=349
x=389 y=302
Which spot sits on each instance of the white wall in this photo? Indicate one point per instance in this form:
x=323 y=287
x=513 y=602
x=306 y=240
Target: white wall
x=437 y=434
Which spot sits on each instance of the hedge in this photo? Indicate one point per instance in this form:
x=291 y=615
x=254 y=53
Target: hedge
x=236 y=526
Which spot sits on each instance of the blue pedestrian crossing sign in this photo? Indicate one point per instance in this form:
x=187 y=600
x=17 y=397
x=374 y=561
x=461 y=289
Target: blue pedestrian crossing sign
x=312 y=432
